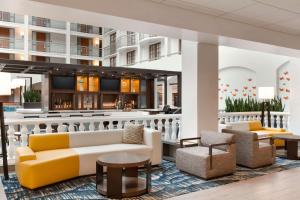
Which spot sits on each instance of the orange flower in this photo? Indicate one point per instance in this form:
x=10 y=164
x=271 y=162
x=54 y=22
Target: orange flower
x=236 y=90
x=245 y=87
x=281 y=89
x=287 y=90
x=254 y=94
x=286 y=97
x=254 y=87
x=244 y=94
x=249 y=79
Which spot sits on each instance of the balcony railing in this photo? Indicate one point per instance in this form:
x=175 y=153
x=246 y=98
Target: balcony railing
x=110 y=49
x=86 y=51
x=126 y=40
x=11 y=17
x=49 y=23
x=107 y=30
x=83 y=28
x=19 y=129
x=278 y=119
x=51 y=47
x=143 y=36
x=11 y=43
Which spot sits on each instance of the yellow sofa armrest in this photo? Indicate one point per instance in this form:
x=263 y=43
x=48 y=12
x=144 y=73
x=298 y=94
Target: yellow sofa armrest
x=24 y=154
x=275 y=129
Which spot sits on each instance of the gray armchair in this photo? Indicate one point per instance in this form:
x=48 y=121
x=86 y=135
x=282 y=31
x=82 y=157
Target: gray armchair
x=252 y=151
x=213 y=157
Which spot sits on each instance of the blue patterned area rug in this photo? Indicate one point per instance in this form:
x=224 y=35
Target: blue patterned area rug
x=167 y=182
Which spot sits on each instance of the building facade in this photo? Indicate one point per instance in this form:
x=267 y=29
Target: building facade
x=24 y=37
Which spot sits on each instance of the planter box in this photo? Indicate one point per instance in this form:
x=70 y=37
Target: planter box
x=29 y=105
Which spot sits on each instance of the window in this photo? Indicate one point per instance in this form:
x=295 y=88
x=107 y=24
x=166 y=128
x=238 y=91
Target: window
x=130 y=38
x=179 y=46
x=154 y=51
x=112 y=42
x=130 y=57
x=113 y=61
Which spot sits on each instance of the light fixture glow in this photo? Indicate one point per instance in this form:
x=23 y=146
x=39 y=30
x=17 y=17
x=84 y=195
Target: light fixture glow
x=266 y=92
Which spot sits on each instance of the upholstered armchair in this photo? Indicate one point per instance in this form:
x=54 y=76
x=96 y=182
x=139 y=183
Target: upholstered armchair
x=252 y=151
x=214 y=156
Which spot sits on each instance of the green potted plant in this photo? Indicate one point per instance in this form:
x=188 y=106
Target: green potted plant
x=32 y=99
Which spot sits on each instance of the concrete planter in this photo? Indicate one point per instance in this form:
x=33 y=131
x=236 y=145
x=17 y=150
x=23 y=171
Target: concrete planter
x=29 y=105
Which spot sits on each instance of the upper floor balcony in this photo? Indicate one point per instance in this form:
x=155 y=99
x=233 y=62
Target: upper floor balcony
x=149 y=38
x=107 y=30
x=11 y=43
x=83 y=28
x=86 y=51
x=110 y=49
x=127 y=41
x=49 y=23
x=47 y=46
x=11 y=17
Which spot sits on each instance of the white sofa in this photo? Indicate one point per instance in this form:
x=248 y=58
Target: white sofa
x=90 y=145
x=68 y=155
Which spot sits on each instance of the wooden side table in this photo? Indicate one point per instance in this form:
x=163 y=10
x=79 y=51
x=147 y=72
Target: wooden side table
x=121 y=179
x=291 y=145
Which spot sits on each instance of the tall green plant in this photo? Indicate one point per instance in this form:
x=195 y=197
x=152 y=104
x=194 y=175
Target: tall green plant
x=251 y=104
x=32 y=96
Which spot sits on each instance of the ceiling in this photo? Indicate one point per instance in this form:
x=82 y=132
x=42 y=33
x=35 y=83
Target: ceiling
x=277 y=15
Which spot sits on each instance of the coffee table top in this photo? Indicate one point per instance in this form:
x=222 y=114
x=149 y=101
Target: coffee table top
x=123 y=159
x=287 y=137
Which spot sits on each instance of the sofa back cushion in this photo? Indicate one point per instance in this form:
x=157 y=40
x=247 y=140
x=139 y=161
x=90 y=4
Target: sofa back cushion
x=255 y=125
x=50 y=141
x=95 y=138
x=133 y=134
x=210 y=137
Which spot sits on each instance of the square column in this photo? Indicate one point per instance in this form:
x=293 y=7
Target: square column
x=68 y=43
x=199 y=88
x=26 y=37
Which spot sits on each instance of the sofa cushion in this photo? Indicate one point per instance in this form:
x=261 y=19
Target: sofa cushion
x=255 y=125
x=42 y=142
x=49 y=167
x=95 y=138
x=133 y=134
x=89 y=155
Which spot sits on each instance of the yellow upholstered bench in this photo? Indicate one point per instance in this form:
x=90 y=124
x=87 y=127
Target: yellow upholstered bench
x=54 y=157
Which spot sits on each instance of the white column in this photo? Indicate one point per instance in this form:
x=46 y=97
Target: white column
x=199 y=88
x=26 y=37
x=166 y=50
x=68 y=42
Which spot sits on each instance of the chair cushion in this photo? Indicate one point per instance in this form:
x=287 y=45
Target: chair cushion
x=133 y=134
x=210 y=137
x=200 y=151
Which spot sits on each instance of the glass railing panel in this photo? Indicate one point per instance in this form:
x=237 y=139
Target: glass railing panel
x=86 y=51
x=11 y=43
x=44 y=46
x=11 y=17
x=126 y=40
x=44 y=22
x=82 y=28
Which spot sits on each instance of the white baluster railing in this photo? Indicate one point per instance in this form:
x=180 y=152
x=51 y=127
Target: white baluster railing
x=278 y=119
x=168 y=124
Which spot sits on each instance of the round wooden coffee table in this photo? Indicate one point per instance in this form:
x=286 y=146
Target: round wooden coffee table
x=291 y=145
x=121 y=179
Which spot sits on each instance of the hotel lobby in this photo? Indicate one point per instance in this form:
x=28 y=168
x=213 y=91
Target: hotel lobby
x=149 y=99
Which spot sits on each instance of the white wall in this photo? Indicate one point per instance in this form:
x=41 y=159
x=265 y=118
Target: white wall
x=264 y=64
x=236 y=82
